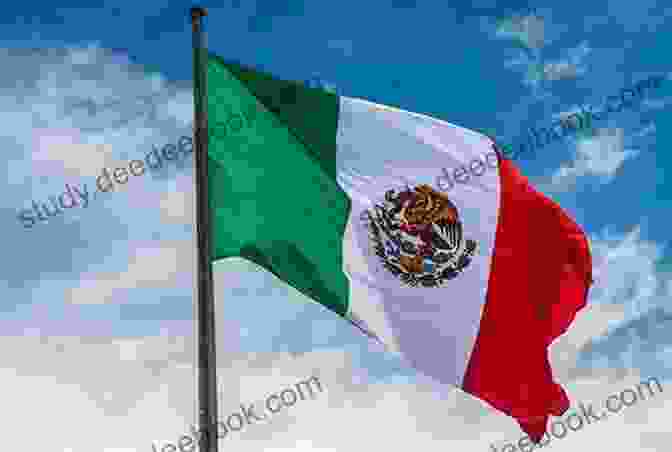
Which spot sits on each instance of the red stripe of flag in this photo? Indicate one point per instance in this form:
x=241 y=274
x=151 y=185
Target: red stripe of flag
x=540 y=275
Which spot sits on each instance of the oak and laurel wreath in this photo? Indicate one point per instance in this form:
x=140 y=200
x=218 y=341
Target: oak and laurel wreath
x=410 y=279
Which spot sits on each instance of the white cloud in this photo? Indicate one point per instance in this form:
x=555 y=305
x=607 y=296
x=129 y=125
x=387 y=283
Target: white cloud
x=625 y=271
x=561 y=69
x=529 y=30
x=154 y=401
x=166 y=264
x=67 y=379
x=600 y=155
x=532 y=31
x=63 y=151
x=178 y=205
x=630 y=295
x=536 y=69
x=174 y=203
x=80 y=109
x=180 y=108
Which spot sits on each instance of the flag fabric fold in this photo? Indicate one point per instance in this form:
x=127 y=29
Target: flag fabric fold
x=342 y=199
x=541 y=271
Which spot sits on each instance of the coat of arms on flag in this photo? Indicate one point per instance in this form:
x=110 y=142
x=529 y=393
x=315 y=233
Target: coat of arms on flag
x=418 y=236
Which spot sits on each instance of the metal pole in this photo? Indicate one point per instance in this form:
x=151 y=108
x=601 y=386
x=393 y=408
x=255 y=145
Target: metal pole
x=207 y=364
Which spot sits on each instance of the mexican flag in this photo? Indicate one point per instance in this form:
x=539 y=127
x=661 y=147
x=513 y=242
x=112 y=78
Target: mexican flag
x=351 y=203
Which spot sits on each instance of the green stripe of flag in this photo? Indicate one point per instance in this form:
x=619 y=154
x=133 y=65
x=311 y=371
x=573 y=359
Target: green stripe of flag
x=272 y=179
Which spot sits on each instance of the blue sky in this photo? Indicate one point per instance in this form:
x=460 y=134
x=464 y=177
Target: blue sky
x=122 y=268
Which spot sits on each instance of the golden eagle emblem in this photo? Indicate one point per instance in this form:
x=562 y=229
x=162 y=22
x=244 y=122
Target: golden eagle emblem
x=417 y=234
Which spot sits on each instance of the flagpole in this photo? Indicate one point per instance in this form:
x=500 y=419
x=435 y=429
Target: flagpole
x=207 y=364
